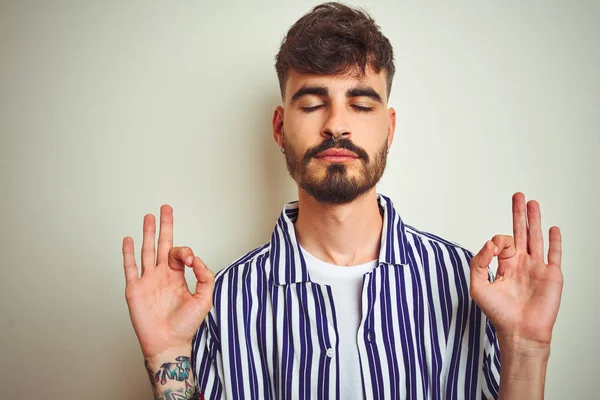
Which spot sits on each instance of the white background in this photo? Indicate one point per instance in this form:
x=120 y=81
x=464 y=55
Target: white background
x=110 y=109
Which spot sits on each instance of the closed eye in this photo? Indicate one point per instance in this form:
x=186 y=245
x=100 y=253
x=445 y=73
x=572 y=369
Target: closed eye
x=362 y=109
x=311 y=109
x=355 y=107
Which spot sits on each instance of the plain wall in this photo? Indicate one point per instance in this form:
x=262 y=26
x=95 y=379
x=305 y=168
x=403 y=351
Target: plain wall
x=110 y=109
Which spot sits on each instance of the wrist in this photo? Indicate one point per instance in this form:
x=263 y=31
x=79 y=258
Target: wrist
x=523 y=362
x=523 y=366
x=171 y=374
x=521 y=348
x=155 y=361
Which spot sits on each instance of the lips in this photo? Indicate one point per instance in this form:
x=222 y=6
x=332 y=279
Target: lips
x=336 y=153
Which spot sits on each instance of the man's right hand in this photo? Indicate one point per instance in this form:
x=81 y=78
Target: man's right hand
x=165 y=315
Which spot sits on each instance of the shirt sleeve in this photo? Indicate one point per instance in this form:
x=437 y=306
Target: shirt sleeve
x=491 y=360
x=206 y=360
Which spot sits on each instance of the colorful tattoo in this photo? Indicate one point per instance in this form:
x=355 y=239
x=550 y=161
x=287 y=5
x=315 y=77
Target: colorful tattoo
x=178 y=371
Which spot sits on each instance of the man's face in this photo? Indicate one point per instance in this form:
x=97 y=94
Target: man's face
x=335 y=130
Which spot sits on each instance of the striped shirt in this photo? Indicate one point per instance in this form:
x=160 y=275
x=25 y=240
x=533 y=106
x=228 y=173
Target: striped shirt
x=272 y=332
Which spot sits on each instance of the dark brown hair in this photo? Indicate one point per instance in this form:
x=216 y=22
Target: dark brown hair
x=331 y=39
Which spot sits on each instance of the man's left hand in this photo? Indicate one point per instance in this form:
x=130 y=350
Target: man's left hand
x=522 y=303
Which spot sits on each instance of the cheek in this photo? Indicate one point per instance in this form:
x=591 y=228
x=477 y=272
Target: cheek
x=301 y=134
x=371 y=137
x=374 y=123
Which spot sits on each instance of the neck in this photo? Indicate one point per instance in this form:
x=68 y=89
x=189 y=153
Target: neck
x=348 y=234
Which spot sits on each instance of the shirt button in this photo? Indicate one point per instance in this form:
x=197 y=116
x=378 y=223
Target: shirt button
x=330 y=352
x=368 y=336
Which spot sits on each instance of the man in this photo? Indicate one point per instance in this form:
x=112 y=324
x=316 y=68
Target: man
x=345 y=300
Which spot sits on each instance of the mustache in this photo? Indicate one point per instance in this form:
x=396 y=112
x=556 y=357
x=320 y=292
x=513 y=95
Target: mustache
x=345 y=144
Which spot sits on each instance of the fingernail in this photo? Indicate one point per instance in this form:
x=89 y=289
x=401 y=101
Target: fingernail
x=189 y=260
x=495 y=249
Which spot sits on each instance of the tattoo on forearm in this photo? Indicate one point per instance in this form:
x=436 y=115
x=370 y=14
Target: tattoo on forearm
x=173 y=371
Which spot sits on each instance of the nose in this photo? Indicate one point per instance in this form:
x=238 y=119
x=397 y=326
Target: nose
x=336 y=126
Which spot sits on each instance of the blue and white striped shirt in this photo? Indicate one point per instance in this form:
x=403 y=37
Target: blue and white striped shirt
x=272 y=332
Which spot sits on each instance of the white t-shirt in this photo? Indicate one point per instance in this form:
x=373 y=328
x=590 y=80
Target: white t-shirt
x=346 y=285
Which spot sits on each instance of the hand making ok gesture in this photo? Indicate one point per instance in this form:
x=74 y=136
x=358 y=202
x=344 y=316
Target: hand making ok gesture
x=165 y=315
x=522 y=303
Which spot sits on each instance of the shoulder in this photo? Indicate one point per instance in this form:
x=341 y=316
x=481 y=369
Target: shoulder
x=445 y=250
x=243 y=273
x=251 y=262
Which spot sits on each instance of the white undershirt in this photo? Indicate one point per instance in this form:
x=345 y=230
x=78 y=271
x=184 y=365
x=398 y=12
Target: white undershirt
x=346 y=285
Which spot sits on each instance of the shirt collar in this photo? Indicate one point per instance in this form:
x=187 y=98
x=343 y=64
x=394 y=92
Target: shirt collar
x=288 y=265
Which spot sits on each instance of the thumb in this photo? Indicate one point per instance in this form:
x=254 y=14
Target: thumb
x=479 y=267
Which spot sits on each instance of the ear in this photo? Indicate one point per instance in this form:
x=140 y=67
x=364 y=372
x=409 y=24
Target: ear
x=278 y=126
x=391 y=126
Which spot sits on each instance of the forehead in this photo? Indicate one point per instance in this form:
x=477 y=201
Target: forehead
x=337 y=84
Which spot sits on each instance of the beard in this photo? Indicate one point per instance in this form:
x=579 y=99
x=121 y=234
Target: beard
x=335 y=185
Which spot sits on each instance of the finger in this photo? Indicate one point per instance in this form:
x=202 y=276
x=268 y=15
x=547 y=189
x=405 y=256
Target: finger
x=179 y=257
x=479 y=267
x=131 y=272
x=165 y=236
x=519 y=221
x=148 y=246
x=505 y=246
x=205 y=278
x=534 y=237
x=555 y=247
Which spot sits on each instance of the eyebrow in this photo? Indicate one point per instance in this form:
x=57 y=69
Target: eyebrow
x=305 y=90
x=364 y=91
x=361 y=91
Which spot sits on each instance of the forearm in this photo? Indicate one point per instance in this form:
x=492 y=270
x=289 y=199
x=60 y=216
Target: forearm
x=522 y=372
x=171 y=375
